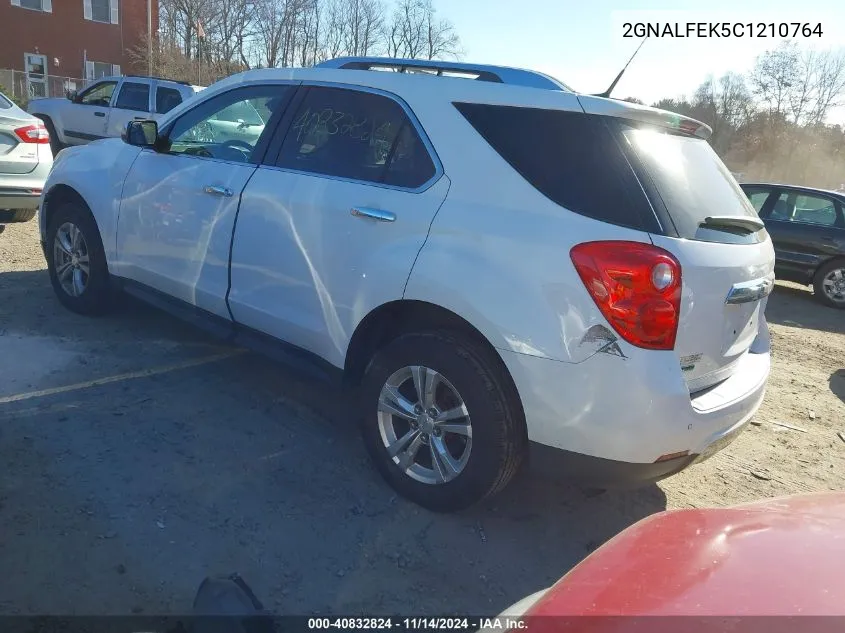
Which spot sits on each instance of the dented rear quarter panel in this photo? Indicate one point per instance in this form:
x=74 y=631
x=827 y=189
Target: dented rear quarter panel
x=502 y=263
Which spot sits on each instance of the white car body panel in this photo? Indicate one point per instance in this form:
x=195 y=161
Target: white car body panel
x=96 y=172
x=24 y=167
x=305 y=269
x=713 y=335
x=174 y=236
x=77 y=119
x=633 y=409
x=480 y=242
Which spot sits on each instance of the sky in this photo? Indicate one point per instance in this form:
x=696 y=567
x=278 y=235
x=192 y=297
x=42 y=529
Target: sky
x=582 y=44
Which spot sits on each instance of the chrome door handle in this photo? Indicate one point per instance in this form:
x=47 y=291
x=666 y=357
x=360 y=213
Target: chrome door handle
x=374 y=214
x=219 y=191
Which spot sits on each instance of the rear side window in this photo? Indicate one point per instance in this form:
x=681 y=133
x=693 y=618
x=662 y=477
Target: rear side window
x=691 y=182
x=570 y=157
x=134 y=96
x=167 y=99
x=794 y=206
x=356 y=135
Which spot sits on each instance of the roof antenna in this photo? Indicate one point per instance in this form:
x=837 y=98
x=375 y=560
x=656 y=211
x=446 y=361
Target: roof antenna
x=606 y=93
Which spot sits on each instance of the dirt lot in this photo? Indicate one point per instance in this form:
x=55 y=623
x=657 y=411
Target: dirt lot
x=139 y=456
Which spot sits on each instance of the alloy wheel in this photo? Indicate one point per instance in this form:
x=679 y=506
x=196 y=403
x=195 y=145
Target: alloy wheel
x=71 y=259
x=833 y=285
x=425 y=425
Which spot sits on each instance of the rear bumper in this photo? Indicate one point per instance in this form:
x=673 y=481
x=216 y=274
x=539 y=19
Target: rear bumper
x=23 y=191
x=597 y=472
x=22 y=199
x=606 y=421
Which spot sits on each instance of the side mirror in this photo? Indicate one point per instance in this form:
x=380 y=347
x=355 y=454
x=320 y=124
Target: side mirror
x=142 y=133
x=73 y=95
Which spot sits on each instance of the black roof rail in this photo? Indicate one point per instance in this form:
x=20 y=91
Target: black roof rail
x=479 y=72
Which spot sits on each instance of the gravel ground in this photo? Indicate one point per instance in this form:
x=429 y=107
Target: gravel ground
x=178 y=458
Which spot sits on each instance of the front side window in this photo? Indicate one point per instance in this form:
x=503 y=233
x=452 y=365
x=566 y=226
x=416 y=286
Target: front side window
x=241 y=112
x=203 y=132
x=99 y=94
x=133 y=96
x=806 y=209
x=355 y=135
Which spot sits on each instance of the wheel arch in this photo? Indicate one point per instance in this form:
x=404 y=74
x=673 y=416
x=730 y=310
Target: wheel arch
x=56 y=196
x=826 y=262
x=390 y=320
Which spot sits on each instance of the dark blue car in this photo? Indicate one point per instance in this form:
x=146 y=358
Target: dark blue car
x=807 y=227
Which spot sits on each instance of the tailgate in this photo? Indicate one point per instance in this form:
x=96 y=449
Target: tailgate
x=724 y=291
x=726 y=256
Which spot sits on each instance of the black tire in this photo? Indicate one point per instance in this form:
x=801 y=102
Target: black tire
x=96 y=298
x=55 y=144
x=20 y=215
x=499 y=438
x=818 y=281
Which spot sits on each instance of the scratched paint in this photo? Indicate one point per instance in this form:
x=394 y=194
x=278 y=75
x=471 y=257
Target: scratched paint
x=600 y=340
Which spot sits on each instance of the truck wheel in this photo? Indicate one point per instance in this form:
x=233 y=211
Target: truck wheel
x=440 y=420
x=76 y=260
x=829 y=284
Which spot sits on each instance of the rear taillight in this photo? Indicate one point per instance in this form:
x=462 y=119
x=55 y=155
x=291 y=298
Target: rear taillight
x=636 y=286
x=35 y=133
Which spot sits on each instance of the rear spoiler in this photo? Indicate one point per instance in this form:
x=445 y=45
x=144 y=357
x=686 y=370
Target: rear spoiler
x=644 y=114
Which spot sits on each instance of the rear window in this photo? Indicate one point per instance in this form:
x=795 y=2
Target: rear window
x=572 y=158
x=690 y=180
x=5 y=104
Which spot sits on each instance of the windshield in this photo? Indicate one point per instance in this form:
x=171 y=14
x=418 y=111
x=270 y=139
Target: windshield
x=691 y=180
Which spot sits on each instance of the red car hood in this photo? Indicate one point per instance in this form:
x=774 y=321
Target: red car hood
x=781 y=556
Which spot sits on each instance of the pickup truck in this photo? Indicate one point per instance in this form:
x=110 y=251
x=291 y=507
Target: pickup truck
x=105 y=107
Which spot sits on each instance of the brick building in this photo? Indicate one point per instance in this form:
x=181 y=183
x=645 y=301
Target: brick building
x=52 y=44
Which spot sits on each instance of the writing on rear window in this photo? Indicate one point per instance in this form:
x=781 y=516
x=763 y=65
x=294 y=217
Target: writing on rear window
x=336 y=123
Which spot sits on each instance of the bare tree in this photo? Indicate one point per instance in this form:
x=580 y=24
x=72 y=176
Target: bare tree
x=775 y=75
x=334 y=34
x=239 y=34
x=725 y=105
x=269 y=30
x=441 y=40
x=408 y=28
x=363 y=22
x=309 y=33
x=829 y=85
x=416 y=32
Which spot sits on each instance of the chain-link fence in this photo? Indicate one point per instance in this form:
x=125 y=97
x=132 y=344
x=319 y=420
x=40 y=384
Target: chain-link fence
x=21 y=88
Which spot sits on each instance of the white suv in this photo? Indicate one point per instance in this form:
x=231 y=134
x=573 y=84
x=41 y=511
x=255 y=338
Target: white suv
x=503 y=266
x=105 y=107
